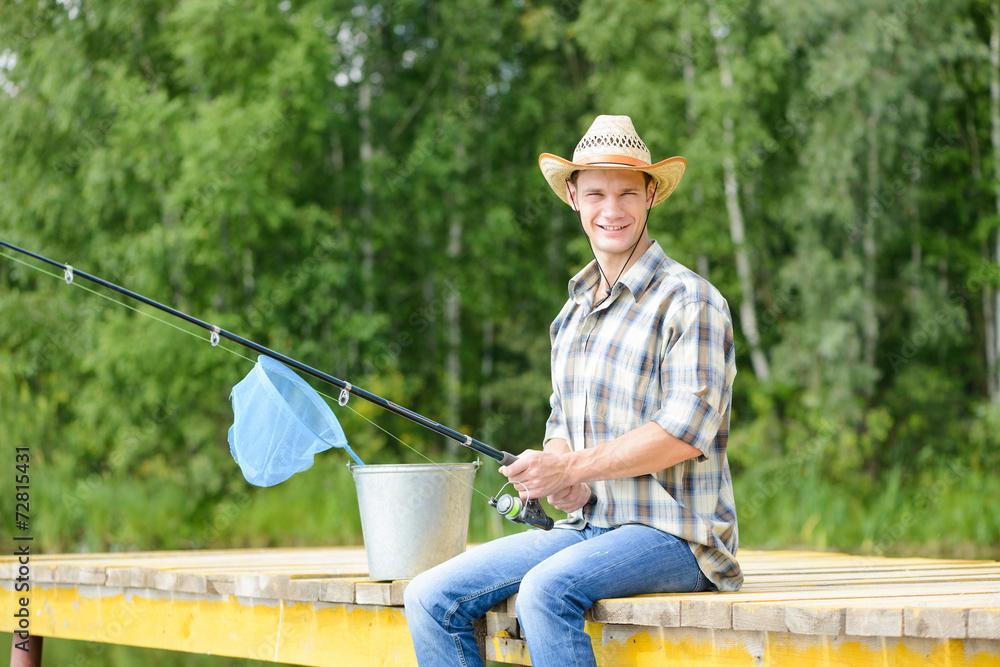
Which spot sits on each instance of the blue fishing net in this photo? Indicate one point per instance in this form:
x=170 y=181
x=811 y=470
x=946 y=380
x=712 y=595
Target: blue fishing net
x=279 y=424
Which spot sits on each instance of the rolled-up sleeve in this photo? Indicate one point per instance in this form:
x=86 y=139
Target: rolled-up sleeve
x=694 y=373
x=555 y=427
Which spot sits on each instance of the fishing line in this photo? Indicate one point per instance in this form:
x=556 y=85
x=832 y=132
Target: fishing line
x=123 y=304
x=347 y=389
x=238 y=354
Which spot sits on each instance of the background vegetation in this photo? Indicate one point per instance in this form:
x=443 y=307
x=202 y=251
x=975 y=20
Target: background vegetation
x=355 y=184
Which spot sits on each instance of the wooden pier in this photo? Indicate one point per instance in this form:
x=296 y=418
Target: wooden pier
x=315 y=606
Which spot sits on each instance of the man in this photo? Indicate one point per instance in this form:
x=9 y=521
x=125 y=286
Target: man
x=642 y=373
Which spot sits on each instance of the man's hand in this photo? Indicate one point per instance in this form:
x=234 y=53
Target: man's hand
x=539 y=474
x=562 y=473
x=571 y=498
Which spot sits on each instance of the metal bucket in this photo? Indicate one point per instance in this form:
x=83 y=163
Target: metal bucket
x=413 y=516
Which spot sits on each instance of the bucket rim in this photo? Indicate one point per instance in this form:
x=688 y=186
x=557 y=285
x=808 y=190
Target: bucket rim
x=391 y=468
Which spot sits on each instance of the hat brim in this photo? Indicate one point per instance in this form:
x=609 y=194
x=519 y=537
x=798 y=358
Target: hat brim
x=667 y=173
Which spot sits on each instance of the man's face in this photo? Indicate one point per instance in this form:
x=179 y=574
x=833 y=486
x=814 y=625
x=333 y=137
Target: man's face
x=612 y=205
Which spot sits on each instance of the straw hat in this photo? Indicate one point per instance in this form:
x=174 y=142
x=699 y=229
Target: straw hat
x=612 y=143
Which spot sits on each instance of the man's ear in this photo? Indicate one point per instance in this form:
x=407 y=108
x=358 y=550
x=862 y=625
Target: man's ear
x=651 y=193
x=571 y=195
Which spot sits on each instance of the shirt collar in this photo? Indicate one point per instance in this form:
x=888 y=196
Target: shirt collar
x=583 y=285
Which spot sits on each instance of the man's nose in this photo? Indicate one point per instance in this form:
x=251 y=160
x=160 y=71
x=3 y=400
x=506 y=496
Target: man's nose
x=613 y=207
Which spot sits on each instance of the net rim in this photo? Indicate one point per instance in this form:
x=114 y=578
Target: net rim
x=266 y=364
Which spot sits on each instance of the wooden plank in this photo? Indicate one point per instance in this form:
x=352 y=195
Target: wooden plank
x=657 y=611
x=902 y=576
x=179 y=582
x=380 y=593
x=276 y=587
x=818 y=611
x=940 y=600
x=47 y=573
x=338 y=589
x=935 y=622
x=984 y=623
x=89 y=568
x=131 y=577
x=806 y=620
x=865 y=592
x=699 y=613
x=759 y=618
x=874 y=622
x=220 y=584
x=885 y=617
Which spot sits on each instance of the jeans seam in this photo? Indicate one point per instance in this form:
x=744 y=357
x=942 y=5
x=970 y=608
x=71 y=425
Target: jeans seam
x=458 y=649
x=446 y=621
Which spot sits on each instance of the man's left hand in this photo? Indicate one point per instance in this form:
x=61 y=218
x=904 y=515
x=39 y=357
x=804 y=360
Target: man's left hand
x=571 y=498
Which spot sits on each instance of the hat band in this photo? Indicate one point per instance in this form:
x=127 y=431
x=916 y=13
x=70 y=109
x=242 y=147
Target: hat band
x=623 y=160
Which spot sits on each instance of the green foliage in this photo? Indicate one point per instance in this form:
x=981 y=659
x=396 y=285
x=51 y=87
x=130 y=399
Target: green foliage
x=355 y=184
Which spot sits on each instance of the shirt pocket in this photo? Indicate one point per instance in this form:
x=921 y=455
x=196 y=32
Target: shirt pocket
x=634 y=390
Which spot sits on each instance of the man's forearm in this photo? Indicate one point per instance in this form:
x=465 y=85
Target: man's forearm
x=642 y=451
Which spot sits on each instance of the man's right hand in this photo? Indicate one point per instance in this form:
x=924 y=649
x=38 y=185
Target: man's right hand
x=571 y=498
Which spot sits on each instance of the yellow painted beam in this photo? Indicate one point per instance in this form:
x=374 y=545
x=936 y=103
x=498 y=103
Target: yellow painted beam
x=306 y=633
x=692 y=647
x=632 y=646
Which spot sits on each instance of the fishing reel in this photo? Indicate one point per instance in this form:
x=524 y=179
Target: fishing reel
x=514 y=509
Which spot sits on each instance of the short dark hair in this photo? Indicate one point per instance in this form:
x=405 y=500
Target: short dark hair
x=572 y=178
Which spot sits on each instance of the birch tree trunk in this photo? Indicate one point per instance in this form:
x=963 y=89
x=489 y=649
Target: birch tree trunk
x=869 y=318
x=485 y=400
x=687 y=67
x=748 y=303
x=367 y=246
x=992 y=296
x=689 y=72
x=453 y=334
x=452 y=314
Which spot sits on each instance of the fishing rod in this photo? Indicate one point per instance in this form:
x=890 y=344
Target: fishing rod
x=529 y=512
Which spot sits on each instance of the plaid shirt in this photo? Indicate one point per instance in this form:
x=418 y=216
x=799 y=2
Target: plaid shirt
x=660 y=349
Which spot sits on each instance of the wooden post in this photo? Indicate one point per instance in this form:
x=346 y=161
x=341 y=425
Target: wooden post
x=32 y=657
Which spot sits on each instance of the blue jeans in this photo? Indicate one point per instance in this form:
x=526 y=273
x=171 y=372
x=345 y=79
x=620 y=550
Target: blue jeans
x=558 y=575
